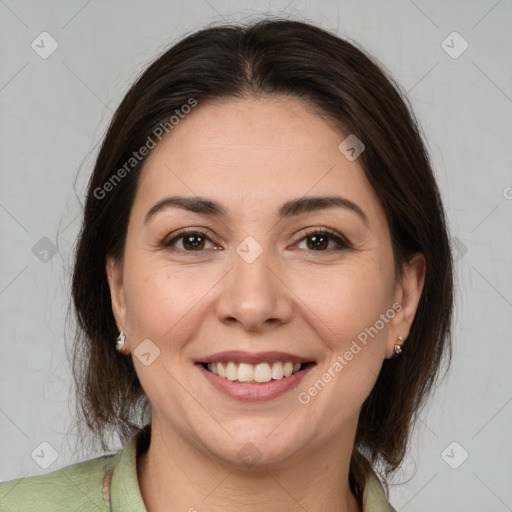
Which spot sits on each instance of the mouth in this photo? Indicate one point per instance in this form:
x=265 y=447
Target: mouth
x=260 y=373
x=254 y=376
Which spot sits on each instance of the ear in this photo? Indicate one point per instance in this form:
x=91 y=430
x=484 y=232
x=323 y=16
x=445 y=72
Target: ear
x=114 y=271
x=408 y=294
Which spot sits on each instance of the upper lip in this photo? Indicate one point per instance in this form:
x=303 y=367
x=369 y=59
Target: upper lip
x=239 y=356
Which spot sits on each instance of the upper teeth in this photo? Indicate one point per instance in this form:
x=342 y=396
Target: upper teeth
x=262 y=372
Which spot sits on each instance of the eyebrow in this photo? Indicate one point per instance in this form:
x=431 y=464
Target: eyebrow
x=289 y=209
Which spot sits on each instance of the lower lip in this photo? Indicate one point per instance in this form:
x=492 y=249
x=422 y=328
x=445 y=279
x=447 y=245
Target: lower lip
x=251 y=392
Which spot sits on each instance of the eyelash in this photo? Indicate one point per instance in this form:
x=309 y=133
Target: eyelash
x=341 y=241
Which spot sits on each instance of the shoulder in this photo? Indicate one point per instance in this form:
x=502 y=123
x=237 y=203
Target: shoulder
x=77 y=487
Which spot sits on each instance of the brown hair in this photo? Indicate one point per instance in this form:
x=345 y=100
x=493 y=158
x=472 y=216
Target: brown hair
x=276 y=57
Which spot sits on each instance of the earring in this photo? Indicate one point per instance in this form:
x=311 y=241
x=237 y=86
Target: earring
x=120 y=344
x=398 y=346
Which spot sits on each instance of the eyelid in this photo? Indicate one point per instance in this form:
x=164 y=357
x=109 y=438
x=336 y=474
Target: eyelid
x=180 y=233
x=341 y=240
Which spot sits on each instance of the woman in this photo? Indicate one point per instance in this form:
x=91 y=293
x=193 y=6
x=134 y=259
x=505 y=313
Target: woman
x=265 y=246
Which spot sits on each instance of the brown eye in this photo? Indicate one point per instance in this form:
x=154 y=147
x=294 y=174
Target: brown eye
x=191 y=241
x=318 y=242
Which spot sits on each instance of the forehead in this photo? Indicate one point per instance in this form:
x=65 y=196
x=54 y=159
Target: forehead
x=254 y=152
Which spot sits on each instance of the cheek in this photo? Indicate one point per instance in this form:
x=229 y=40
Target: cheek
x=357 y=308
x=161 y=306
x=351 y=300
x=161 y=299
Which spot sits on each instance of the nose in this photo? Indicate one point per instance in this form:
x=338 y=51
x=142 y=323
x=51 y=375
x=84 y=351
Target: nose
x=255 y=295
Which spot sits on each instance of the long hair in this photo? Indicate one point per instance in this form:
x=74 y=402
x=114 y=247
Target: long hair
x=271 y=57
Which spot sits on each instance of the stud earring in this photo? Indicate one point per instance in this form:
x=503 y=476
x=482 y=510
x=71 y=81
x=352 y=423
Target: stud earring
x=120 y=344
x=398 y=346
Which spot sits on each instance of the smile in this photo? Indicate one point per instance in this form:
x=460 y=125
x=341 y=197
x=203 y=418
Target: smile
x=258 y=373
x=254 y=376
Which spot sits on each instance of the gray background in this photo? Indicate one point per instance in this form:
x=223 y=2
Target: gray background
x=55 y=111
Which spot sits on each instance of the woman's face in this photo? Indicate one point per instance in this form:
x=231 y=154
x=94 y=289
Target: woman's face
x=251 y=280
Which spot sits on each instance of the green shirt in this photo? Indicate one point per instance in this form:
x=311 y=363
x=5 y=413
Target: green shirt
x=109 y=484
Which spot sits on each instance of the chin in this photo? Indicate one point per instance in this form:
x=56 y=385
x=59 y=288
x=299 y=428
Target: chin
x=257 y=450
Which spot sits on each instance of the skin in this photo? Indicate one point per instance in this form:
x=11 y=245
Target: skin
x=252 y=155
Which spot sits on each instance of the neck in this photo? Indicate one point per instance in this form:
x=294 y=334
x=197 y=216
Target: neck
x=174 y=475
